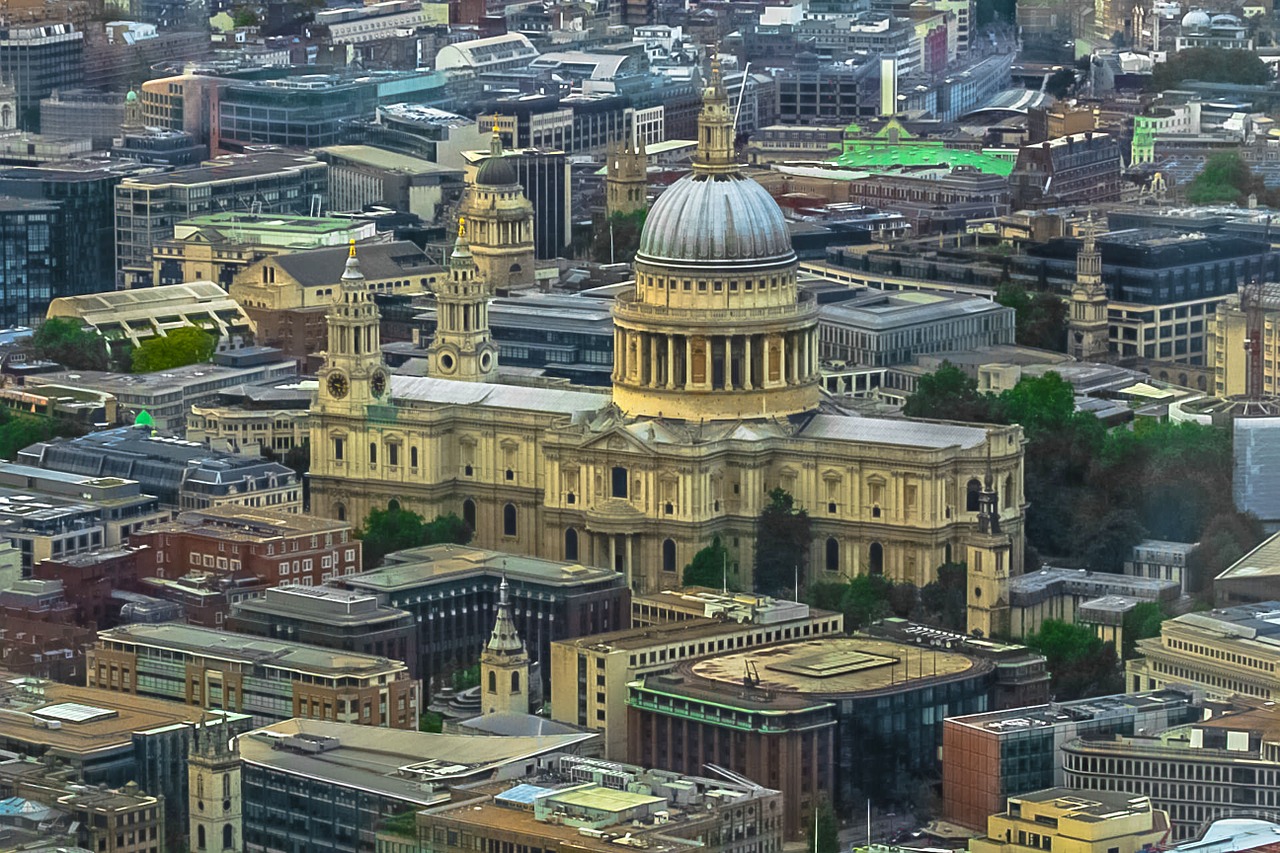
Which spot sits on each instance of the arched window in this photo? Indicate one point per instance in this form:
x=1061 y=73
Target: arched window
x=200 y=845
x=393 y=505
x=1008 y=491
x=493 y=681
x=340 y=511
x=509 y=520
x=373 y=453
x=228 y=838
x=876 y=562
x=833 y=555
x=515 y=682
x=971 y=495
x=469 y=513
x=571 y=544
x=668 y=555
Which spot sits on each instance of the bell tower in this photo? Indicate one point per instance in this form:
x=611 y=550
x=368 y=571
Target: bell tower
x=626 y=180
x=988 y=556
x=213 y=788
x=353 y=375
x=1087 y=328
x=500 y=220
x=504 y=665
x=462 y=348
x=133 y=121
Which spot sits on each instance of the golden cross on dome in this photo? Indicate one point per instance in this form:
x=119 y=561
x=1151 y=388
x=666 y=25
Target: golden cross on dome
x=353 y=249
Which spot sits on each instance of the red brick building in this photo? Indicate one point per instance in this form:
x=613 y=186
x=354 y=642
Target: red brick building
x=39 y=633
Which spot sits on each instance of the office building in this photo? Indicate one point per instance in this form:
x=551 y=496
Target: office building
x=452 y=592
x=485 y=55
x=375 y=20
x=157 y=146
x=148 y=207
x=104 y=738
x=33 y=258
x=1081 y=168
x=271 y=680
x=839 y=718
x=297 y=112
x=251 y=418
x=1155 y=558
x=43 y=636
x=37 y=59
x=182 y=474
x=589 y=675
x=362 y=175
x=1065 y=594
x=1228 y=332
x=1070 y=819
x=575 y=803
x=133 y=317
x=326 y=785
x=879 y=329
x=330 y=617
x=932 y=204
x=989 y=757
x=110 y=820
x=1223 y=766
x=1223 y=652
x=270 y=545
x=83 y=112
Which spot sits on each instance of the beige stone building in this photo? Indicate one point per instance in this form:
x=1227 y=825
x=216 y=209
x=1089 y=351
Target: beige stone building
x=1227 y=348
x=499 y=222
x=716 y=401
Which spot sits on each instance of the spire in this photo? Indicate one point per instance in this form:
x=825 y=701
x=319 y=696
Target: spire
x=988 y=511
x=504 y=639
x=495 y=142
x=352 y=271
x=715 y=127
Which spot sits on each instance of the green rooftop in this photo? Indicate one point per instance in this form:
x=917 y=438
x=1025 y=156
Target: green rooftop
x=893 y=147
x=289 y=223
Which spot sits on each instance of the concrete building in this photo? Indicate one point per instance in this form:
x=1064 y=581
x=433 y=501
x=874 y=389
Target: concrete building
x=880 y=329
x=330 y=617
x=133 y=317
x=271 y=680
x=83 y=112
x=148 y=207
x=570 y=799
x=375 y=20
x=839 y=718
x=1228 y=331
x=182 y=474
x=361 y=175
x=35 y=60
x=167 y=396
x=1223 y=652
x=989 y=757
x=364 y=776
x=1154 y=558
x=274 y=547
x=1077 y=820
x=1064 y=594
x=609 y=662
x=931 y=203
x=1223 y=766
x=43 y=635
x=480 y=56
x=452 y=592
x=251 y=418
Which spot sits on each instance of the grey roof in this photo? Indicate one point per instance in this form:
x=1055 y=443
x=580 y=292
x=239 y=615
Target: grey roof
x=378 y=261
x=417 y=567
x=1262 y=561
x=393 y=762
x=932 y=435
x=887 y=311
x=1256 y=481
x=517 y=725
x=525 y=398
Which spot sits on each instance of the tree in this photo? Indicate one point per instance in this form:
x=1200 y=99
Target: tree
x=465 y=679
x=1080 y=664
x=1227 y=537
x=395 y=529
x=1061 y=83
x=180 y=347
x=447 y=529
x=1209 y=65
x=430 y=721
x=243 y=16
x=618 y=237
x=1040 y=319
x=707 y=567
x=1110 y=540
x=866 y=600
x=69 y=343
x=949 y=394
x=782 y=543
x=1225 y=179
x=1141 y=623
x=1039 y=403
x=826 y=839
x=945 y=602
x=19 y=431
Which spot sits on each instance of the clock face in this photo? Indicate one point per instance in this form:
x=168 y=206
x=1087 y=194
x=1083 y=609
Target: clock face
x=379 y=383
x=338 y=385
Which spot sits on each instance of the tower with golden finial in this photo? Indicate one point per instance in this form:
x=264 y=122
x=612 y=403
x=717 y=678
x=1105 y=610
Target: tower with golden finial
x=499 y=221
x=462 y=347
x=353 y=375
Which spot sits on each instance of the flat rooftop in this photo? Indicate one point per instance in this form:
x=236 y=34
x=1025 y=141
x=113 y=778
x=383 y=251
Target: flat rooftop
x=223 y=645
x=1090 y=806
x=227 y=169
x=417 y=566
x=833 y=666
x=1071 y=713
x=412 y=767
x=324 y=605
x=628 y=639
x=381 y=158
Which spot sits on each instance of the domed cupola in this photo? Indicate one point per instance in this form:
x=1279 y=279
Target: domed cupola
x=715 y=328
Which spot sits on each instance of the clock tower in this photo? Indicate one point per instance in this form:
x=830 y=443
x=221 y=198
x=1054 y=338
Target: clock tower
x=462 y=347
x=353 y=375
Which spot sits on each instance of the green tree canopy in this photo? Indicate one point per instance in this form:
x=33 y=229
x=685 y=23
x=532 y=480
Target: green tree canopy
x=1209 y=65
x=624 y=231
x=395 y=529
x=1080 y=664
x=949 y=394
x=782 y=543
x=180 y=347
x=69 y=343
x=1040 y=319
x=1141 y=623
x=945 y=601
x=827 y=836
x=244 y=16
x=1228 y=536
x=1225 y=179
x=707 y=567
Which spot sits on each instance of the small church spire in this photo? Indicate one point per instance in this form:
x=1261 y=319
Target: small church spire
x=715 y=126
x=505 y=639
x=504 y=664
x=352 y=270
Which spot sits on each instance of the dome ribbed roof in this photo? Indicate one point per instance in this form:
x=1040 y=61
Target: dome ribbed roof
x=715 y=218
x=496 y=171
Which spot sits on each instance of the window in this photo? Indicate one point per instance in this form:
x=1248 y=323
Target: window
x=668 y=555
x=971 y=495
x=228 y=838
x=338 y=449
x=469 y=513
x=200 y=837
x=509 y=520
x=619 y=482
x=833 y=555
x=393 y=454
x=515 y=682
x=493 y=681
x=413 y=457
x=876 y=562
x=571 y=544
x=373 y=453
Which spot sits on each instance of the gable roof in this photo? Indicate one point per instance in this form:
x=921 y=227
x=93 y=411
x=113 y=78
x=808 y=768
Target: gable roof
x=378 y=261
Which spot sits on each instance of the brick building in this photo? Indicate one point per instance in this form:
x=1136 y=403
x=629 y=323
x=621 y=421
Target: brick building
x=39 y=633
x=1081 y=168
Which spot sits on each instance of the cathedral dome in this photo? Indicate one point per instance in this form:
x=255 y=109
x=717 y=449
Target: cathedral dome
x=715 y=218
x=496 y=171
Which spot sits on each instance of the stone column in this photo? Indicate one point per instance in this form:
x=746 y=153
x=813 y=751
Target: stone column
x=671 y=361
x=728 y=362
x=687 y=378
x=630 y=567
x=653 y=361
x=709 y=362
x=806 y=364
x=746 y=363
x=782 y=359
x=613 y=552
x=619 y=358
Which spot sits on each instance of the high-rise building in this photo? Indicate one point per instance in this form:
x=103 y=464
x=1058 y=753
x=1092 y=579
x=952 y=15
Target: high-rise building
x=33 y=258
x=35 y=60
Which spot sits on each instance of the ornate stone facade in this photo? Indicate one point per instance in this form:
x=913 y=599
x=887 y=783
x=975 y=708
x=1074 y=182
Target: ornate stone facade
x=1087 y=329
x=715 y=403
x=500 y=223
